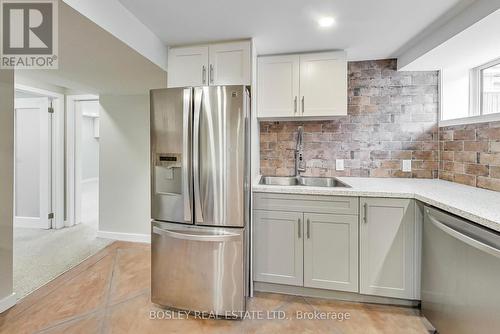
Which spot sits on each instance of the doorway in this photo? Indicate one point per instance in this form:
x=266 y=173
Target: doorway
x=47 y=239
x=39 y=158
x=82 y=151
x=87 y=159
x=32 y=172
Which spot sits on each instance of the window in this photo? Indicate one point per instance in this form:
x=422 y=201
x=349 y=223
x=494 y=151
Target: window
x=485 y=89
x=490 y=89
x=469 y=96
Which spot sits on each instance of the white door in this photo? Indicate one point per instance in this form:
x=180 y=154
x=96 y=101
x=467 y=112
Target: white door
x=32 y=182
x=331 y=252
x=323 y=84
x=278 y=247
x=187 y=66
x=230 y=64
x=278 y=86
x=387 y=247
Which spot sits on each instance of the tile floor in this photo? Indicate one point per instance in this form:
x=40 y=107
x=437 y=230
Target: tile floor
x=109 y=293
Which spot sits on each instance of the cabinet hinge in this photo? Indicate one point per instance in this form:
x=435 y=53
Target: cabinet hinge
x=51 y=110
x=51 y=215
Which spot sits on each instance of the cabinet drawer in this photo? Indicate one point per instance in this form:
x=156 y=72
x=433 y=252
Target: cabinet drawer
x=306 y=203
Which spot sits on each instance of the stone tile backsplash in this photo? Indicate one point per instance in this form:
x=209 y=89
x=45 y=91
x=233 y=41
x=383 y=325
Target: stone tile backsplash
x=470 y=154
x=392 y=116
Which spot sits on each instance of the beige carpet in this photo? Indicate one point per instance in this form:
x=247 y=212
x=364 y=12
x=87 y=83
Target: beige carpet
x=42 y=255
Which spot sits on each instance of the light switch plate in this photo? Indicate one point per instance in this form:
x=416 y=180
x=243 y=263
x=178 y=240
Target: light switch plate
x=339 y=164
x=406 y=166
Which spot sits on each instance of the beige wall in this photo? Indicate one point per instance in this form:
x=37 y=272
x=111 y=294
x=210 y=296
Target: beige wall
x=6 y=179
x=124 y=190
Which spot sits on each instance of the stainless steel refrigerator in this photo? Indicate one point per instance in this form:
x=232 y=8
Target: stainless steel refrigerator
x=200 y=171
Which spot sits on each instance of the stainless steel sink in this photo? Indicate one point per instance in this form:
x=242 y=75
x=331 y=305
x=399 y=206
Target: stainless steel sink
x=321 y=182
x=279 y=180
x=310 y=181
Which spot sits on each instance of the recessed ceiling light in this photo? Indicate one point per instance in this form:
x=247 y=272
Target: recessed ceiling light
x=326 y=22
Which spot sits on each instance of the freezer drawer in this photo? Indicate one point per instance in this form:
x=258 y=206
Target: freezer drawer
x=198 y=268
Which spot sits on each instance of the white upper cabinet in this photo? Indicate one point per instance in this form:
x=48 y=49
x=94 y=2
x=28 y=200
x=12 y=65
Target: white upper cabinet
x=187 y=66
x=230 y=64
x=278 y=86
x=214 y=64
x=305 y=85
x=323 y=84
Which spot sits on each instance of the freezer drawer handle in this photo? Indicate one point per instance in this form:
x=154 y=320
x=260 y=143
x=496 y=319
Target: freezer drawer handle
x=462 y=237
x=196 y=237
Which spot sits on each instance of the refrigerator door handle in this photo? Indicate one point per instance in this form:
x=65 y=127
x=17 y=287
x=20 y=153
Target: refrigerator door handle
x=186 y=155
x=209 y=237
x=198 y=99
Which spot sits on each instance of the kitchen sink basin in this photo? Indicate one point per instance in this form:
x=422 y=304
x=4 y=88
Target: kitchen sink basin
x=279 y=181
x=329 y=182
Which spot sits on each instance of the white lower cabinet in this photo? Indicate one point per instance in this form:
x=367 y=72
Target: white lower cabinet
x=278 y=247
x=366 y=245
x=331 y=252
x=389 y=263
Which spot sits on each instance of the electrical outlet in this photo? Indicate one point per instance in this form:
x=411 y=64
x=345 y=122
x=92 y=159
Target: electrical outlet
x=406 y=166
x=339 y=164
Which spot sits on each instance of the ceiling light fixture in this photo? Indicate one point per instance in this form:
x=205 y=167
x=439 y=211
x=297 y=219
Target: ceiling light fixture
x=326 y=22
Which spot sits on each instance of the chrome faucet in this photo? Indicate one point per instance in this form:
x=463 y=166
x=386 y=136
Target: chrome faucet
x=300 y=165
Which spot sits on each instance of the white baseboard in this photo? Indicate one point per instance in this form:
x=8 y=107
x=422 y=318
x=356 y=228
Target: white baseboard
x=28 y=222
x=7 y=302
x=132 y=237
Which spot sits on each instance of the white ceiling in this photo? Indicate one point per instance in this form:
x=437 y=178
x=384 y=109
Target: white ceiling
x=91 y=60
x=470 y=48
x=366 y=29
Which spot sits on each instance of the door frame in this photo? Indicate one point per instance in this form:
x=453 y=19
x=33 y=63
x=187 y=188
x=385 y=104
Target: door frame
x=73 y=157
x=57 y=148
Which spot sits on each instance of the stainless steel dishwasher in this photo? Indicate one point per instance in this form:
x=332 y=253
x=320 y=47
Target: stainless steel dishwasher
x=460 y=275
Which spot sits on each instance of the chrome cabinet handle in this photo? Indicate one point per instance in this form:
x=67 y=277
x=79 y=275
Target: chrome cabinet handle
x=298 y=227
x=308 y=228
x=211 y=75
x=204 y=74
x=295 y=105
x=186 y=152
x=365 y=215
x=303 y=105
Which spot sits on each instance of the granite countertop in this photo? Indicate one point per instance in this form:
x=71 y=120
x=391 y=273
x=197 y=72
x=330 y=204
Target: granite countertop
x=478 y=205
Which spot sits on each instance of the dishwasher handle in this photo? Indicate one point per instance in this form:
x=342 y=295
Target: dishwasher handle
x=464 y=238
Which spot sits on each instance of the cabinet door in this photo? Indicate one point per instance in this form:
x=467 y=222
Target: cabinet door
x=230 y=64
x=387 y=247
x=331 y=252
x=323 y=84
x=278 y=86
x=187 y=66
x=278 y=247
